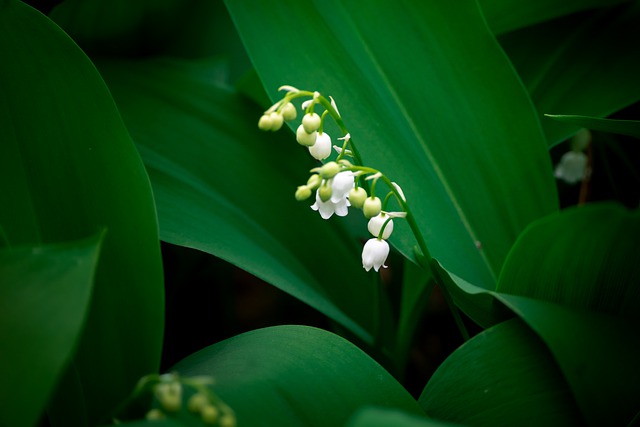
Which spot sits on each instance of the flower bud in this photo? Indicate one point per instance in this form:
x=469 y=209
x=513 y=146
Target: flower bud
x=372 y=207
x=304 y=138
x=277 y=120
x=325 y=192
x=357 y=197
x=376 y=223
x=314 y=181
x=303 y=192
x=265 y=122
x=311 y=122
x=228 y=421
x=209 y=414
x=197 y=402
x=322 y=148
x=289 y=111
x=329 y=170
x=155 y=414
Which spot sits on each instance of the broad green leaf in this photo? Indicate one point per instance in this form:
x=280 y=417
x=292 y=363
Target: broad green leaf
x=44 y=298
x=180 y=28
x=585 y=257
x=585 y=64
x=417 y=286
x=597 y=353
x=68 y=169
x=430 y=99
x=508 y=15
x=224 y=187
x=384 y=417
x=622 y=127
x=504 y=376
x=295 y=376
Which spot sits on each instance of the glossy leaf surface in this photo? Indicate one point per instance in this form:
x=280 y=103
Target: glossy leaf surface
x=44 y=299
x=623 y=127
x=295 y=375
x=504 y=376
x=68 y=169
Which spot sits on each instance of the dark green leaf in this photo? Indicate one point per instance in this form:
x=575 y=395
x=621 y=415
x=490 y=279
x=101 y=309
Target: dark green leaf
x=585 y=64
x=226 y=188
x=386 y=417
x=67 y=170
x=586 y=257
x=44 y=299
x=622 y=127
x=295 y=376
x=508 y=15
x=431 y=100
x=504 y=376
x=598 y=355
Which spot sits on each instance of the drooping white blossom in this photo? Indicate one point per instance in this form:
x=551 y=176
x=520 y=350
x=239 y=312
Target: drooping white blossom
x=572 y=167
x=375 y=225
x=374 y=254
x=338 y=203
x=322 y=148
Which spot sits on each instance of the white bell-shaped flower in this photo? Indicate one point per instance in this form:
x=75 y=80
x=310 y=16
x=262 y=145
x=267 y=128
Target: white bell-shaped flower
x=376 y=223
x=572 y=167
x=374 y=254
x=322 y=148
x=328 y=208
x=341 y=185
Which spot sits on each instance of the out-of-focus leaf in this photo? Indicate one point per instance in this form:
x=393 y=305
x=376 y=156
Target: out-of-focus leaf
x=44 y=297
x=68 y=169
x=508 y=15
x=504 y=376
x=226 y=188
x=622 y=127
x=585 y=64
x=597 y=353
x=385 y=417
x=180 y=28
x=431 y=100
x=295 y=376
x=586 y=257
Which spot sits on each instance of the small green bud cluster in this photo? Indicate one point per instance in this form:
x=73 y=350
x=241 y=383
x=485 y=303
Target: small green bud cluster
x=169 y=390
x=272 y=119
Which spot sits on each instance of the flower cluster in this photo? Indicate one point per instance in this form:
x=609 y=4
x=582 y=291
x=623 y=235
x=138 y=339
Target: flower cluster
x=169 y=392
x=341 y=183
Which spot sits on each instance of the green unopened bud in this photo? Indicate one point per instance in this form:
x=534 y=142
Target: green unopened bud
x=209 y=414
x=155 y=414
x=372 y=207
x=325 y=192
x=277 y=120
x=314 y=181
x=197 y=402
x=265 y=122
x=581 y=140
x=311 y=122
x=304 y=138
x=357 y=197
x=171 y=402
x=228 y=421
x=329 y=170
x=289 y=111
x=303 y=192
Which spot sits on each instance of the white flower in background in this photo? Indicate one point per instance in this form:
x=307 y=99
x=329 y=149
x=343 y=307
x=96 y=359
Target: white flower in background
x=376 y=223
x=375 y=254
x=572 y=167
x=338 y=203
x=322 y=148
